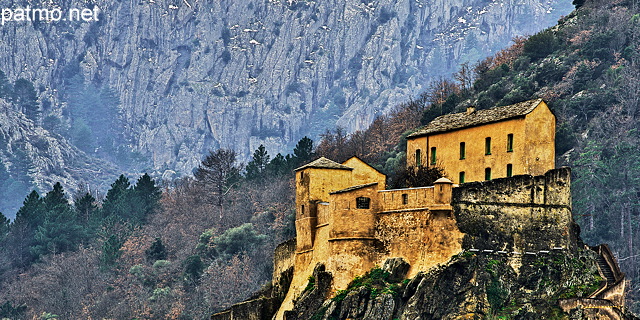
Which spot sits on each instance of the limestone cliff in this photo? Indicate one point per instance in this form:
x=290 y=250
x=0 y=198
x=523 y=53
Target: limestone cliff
x=31 y=157
x=195 y=75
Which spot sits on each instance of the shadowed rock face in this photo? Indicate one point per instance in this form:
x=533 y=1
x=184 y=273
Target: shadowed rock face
x=197 y=75
x=40 y=159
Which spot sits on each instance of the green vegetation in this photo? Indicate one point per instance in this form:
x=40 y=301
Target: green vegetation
x=376 y=282
x=51 y=225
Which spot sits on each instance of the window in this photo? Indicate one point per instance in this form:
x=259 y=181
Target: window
x=461 y=178
x=510 y=142
x=433 y=155
x=301 y=175
x=362 y=203
x=487 y=174
x=463 y=151
x=405 y=198
x=418 y=158
x=509 y=170
x=302 y=210
x=487 y=145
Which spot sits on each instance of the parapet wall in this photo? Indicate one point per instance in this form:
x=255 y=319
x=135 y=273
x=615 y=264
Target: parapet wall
x=521 y=213
x=283 y=258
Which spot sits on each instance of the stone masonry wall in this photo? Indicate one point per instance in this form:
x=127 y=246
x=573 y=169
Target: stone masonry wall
x=520 y=214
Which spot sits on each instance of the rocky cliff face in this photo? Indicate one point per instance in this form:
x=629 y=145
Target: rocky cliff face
x=31 y=157
x=193 y=75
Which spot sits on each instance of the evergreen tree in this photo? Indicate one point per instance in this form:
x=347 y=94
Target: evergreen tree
x=28 y=218
x=32 y=211
x=117 y=202
x=156 y=251
x=85 y=207
x=94 y=116
x=303 y=152
x=279 y=165
x=256 y=168
x=55 y=199
x=82 y=136
x=5 y=86
x=193 y=268
x=26 y=98
x=146 y=198
x=4 y=227
x=60 y=232
x=111 y=251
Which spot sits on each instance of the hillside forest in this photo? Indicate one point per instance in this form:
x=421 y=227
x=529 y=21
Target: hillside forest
x=197 y=245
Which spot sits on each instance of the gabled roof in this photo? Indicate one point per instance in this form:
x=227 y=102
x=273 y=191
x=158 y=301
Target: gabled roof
x=368 y=165
x=355 y=188
x=455 y=121
x=324 y=163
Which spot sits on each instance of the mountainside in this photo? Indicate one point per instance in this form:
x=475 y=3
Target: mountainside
x=31 y=157
x=189 y=76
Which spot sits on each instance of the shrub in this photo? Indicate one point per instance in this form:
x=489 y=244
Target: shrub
x=238 y=239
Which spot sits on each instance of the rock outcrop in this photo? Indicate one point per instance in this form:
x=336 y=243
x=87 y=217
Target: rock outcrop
x=197 y=75
x=32 y=157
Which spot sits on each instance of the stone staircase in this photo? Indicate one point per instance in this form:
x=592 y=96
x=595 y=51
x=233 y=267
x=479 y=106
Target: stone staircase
x=606 y=270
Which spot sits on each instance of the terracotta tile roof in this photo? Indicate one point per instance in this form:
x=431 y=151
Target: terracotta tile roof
x=355 y=188
x=324 y=163
x=455 y=121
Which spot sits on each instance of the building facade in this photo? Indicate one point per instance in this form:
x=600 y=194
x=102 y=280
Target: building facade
x=479 y=145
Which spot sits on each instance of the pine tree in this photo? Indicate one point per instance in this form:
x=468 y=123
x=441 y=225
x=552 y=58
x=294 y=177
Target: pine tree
x=28 y=218
x=117 y=202
x=55 y=199
x=111 y=251
x=156 y=251
x=85 y=207
x=26 y=98
x=256 y=168
x=278 y=166
x=4 y=227
x=146 y=197
x=32 y=211
x=60 y=232
x=303 y=152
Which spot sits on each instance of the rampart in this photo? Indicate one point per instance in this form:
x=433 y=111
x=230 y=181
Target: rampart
x=518 y=214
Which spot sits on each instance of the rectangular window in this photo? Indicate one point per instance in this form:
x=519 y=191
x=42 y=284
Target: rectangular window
x=302 y=210
x=487 y=146
x=509 y=170
x=487 y=174
x=433 y=155
x=461 y=179
x=418 y=158
x=362 y=203
x=463 y=151
x=510 y=142
x=405 y=198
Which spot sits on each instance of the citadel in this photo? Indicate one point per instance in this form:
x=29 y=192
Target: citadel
x=501 y=195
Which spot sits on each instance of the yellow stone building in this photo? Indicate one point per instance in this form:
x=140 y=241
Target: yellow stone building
x=479 y=145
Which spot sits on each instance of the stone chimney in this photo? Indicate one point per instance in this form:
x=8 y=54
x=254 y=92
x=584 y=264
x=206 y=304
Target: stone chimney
x=471 y=109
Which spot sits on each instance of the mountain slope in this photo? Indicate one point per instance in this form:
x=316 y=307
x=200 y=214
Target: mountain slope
x=31 y=157
x=191 y=76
